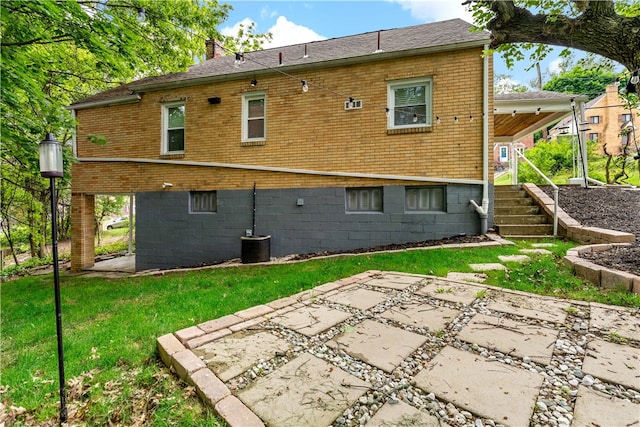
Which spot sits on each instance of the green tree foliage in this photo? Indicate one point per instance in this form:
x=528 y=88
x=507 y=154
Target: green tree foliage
x=585 y=78
x=553 y=158
x=57 y=51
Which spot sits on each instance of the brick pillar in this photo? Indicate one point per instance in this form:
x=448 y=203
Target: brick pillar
x=82 y=231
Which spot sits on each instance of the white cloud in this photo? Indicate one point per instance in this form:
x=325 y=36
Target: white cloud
x=233 y=30
x=286 y=33
x=554 y=66
x=435 y=10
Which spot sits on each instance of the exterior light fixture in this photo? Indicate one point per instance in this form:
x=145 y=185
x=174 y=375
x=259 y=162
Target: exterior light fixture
x=254 y=83
x=51 y=166
x=305 y=86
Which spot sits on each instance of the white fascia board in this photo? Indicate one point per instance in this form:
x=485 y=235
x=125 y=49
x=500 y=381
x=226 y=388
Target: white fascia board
x=129 y=99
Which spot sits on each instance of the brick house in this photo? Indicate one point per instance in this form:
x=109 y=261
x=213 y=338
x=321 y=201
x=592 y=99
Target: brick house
x=605 y=122
x=351 y=142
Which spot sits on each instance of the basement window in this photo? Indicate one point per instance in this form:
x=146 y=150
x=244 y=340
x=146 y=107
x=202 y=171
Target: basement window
x=203 y=202
x=424 y=199
x=364 y=199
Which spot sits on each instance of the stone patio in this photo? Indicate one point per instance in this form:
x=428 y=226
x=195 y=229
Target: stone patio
x=394 y=349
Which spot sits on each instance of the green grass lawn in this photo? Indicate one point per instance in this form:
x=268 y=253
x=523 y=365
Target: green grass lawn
x=110 y=326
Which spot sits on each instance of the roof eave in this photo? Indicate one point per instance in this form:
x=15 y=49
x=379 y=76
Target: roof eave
x=129 y=99
x=531 y=105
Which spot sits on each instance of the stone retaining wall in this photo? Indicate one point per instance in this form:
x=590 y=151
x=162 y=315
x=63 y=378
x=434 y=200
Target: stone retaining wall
x=597 y=239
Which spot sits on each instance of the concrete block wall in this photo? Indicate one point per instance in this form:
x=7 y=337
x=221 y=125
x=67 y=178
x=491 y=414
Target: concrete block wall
x=169 y=236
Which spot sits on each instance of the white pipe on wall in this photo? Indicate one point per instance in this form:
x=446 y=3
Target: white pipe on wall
x=483 y=210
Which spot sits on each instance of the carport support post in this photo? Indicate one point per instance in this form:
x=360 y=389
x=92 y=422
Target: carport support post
x=83 y=231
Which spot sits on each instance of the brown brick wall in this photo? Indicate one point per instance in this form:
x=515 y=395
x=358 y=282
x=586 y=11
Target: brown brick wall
x=304 y=130
x=610 y=111
x=82 y=241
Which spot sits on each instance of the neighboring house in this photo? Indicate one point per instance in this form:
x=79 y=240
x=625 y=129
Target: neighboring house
x=352 y=142
x=605 y=122
x=502 y=152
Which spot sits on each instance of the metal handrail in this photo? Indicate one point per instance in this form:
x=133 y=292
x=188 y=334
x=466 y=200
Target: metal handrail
x=555 y=187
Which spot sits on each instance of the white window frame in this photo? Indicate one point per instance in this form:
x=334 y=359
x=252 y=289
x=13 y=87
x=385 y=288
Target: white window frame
x=165 y=126
x=203 y=198
x=246 y=98
x=425 y=195
x=425 y=121
x=360 y=194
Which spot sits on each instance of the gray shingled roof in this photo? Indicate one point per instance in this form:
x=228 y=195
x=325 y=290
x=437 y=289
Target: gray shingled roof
x=444 y=35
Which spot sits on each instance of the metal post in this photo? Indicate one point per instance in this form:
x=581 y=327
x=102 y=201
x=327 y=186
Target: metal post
x=56 y=279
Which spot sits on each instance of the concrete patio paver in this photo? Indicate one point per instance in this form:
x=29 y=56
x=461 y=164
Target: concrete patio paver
x=598 y=409
x=421 y=315
x=312 y=319
x=394 y=281
x=613 y=363
x=232 y=355
x=452 y=291
x=616 y=320
x=404 y=415
x=307 y=391
x=464 y=378
x=511 y=337
x=530 y=306
x=397 y=349
x=377 y=344
x=362 y=299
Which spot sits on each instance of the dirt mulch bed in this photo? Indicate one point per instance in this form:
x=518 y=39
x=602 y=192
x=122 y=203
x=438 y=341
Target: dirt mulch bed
x=462 y=238
x=614 y=208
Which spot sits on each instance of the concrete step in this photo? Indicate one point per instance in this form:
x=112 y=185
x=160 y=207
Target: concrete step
x=524 y=229
x=516 y=210
x=521 y=219
x=513 y=201
x=526 y=237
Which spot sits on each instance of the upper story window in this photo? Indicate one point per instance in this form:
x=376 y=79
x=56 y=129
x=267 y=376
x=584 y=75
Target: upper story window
x=626 y=117
x=594 y=120
x=364 y=199
x=254 y=117
x=409 y=103
x=173 y=120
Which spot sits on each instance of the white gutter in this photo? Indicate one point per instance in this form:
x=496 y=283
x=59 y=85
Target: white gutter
x=483 y=210
x=128 y=99
x=283 y=170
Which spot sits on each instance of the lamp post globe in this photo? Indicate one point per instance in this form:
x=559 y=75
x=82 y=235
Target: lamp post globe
x=51 y=158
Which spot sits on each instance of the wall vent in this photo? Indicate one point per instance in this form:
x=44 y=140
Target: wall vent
x=355 y=104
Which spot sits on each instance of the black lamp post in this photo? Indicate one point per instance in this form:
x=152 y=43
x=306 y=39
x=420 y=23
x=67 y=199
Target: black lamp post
x=51 y=167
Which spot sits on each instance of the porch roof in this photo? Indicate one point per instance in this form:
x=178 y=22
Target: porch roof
x=517 y=115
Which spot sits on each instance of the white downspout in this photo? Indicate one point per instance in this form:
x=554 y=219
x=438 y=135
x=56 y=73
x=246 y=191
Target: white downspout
x=483 y=211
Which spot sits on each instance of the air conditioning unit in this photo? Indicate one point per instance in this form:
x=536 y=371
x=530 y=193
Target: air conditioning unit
x=354 y=104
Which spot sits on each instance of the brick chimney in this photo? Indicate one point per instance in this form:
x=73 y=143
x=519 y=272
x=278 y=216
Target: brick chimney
x=214 y=49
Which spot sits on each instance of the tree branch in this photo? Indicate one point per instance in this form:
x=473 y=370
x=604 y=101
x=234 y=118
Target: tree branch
x=598 y=29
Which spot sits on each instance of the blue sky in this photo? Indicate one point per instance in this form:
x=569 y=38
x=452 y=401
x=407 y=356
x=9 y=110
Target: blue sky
x=293 y=22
